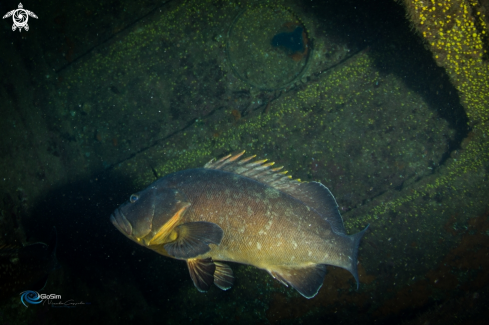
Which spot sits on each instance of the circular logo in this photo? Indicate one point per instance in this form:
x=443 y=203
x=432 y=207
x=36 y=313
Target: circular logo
x=20 y=18
x=31 y=297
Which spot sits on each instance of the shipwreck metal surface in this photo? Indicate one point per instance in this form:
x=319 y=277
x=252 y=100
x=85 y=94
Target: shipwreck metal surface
x=98 y=100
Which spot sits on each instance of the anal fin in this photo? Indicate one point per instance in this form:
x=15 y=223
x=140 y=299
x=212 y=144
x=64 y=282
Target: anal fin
x=306 y=280
x=223 y=276
x=202 y=273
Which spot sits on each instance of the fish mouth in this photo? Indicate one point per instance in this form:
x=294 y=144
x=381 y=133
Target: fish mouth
x=120 y=222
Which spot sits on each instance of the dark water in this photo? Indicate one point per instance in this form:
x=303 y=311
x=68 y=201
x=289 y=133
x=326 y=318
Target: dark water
x=100 y=99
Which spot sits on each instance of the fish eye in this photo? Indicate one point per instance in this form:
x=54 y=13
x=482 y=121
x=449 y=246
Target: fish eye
x=133 y=198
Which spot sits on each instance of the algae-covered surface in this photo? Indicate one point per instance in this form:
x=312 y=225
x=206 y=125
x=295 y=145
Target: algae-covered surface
x=385 y=104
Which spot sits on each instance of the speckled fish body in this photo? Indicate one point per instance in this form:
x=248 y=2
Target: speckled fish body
x=234 y=210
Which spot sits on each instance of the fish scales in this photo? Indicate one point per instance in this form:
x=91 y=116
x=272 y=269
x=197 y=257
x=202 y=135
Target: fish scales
x=246 y=210
x=236 y=211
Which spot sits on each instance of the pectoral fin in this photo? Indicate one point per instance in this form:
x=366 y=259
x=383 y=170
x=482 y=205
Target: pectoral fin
x=223 y=276
x=306 y=280
x=192 y=239
x=202 y=273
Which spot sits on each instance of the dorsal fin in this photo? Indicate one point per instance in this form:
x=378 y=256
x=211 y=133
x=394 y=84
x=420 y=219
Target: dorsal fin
x=315 y=195
x=320 y=198
x=256 y=170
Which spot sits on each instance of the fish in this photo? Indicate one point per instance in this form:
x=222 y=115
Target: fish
x=242 y=211
x=26 y=267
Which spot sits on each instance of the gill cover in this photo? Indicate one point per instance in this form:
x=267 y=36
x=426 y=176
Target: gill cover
x=169 y=206
x=148 y=210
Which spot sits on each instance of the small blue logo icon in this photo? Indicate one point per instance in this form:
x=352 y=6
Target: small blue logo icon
x=31 y=297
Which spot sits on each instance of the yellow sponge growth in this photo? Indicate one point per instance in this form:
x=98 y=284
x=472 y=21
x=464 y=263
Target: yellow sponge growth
x=456 y=32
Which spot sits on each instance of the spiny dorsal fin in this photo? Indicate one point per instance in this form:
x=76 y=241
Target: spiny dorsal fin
x=315 y=195
x=257 y=170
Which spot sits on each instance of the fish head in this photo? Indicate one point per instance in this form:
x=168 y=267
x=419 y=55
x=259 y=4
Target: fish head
x=149 y=216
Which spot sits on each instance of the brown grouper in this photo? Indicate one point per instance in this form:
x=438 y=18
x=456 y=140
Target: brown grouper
x=235 y=210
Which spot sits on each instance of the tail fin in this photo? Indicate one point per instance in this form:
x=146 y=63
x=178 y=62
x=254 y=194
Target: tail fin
x=356 y=243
